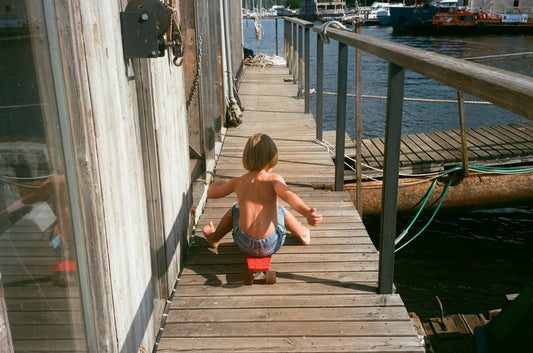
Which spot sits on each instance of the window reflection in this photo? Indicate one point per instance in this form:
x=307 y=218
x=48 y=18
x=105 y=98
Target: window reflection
x=37 y=255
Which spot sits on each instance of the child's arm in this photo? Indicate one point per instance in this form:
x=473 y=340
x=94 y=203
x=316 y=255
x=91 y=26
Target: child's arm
x=221 y=188
x=287 y=195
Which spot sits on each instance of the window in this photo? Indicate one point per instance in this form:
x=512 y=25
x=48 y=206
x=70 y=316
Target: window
x=38 y=263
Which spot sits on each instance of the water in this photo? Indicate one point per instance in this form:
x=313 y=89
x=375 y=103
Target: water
x=469 y=260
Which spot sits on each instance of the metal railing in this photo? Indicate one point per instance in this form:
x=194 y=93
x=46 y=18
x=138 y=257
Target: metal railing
x=511 y=91
x=296 y=54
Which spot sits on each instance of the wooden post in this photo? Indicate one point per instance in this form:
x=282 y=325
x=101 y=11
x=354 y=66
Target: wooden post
x=389 y=198
x=462 y=128
x=358 y=126
x=341 y=116
x=319 y=86
x=307 y=68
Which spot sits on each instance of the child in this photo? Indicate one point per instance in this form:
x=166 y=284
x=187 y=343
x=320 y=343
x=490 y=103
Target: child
x=257 y=220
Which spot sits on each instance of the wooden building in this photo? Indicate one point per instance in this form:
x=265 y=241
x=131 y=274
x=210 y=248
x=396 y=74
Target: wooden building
x=107 y=135
x=502 y=6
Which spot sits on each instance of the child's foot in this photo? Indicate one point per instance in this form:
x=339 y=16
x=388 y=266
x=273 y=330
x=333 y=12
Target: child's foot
x=304 y=235
x=209 y=233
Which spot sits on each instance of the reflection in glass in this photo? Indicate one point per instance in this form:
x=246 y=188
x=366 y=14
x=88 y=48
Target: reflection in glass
x=37 y=256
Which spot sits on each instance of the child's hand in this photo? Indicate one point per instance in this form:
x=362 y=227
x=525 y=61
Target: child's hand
x=313 y=218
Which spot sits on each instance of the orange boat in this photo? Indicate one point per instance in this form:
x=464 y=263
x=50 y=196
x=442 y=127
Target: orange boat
x=462 y=19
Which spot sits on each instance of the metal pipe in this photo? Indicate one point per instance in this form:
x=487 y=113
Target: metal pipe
x=294 y=61
x=307 y=71
x=342 y=71
x=227 y=43
x=462 y=128
x=223 y=53
x=358 y=125
x=300 y=63
x=319 y=86
x=276 y=37
x=393 y=134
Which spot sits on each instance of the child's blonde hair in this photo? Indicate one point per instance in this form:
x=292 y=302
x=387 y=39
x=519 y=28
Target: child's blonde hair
x=260 y=151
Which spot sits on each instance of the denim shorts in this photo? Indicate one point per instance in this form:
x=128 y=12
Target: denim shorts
x=259 y=248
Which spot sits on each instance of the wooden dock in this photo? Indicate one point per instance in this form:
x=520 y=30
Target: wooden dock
x=325 y=297
x=436 y=151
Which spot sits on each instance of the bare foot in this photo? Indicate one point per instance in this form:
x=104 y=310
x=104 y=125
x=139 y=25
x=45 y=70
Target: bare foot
x=210 y=236
x=304 y=235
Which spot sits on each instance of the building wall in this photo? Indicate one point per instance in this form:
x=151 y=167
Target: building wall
x=500 y=6
x=104 y=90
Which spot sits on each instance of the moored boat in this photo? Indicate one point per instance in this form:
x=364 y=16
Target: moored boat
x=417 y=18
x=383 y=14
x=447 y=18
x=464 y=20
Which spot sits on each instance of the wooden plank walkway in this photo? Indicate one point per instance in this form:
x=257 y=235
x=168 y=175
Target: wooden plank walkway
x=325 y=297
x=436 y=151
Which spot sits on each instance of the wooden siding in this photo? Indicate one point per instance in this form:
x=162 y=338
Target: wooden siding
x=325 y=297
x=105 y=93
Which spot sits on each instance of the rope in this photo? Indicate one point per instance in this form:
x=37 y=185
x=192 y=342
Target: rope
x=431 y=219
x=435 y=178
x=260 y=60
x=313 y=91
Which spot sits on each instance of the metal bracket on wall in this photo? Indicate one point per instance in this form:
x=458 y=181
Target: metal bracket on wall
x=144 y=26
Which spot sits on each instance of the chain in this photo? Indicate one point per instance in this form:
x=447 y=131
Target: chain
x=194 y=88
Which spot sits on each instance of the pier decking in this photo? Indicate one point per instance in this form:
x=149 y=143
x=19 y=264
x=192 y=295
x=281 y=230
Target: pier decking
x=325 y=297
x=438 y=150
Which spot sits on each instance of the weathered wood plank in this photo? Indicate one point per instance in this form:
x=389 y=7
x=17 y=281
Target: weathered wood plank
x=281 y=301
x=292 y=328
x=325 y=291
x=290 y=344
x=260 y=314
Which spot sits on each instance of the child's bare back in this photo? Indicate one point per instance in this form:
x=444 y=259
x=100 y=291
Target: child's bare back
x=257 y=194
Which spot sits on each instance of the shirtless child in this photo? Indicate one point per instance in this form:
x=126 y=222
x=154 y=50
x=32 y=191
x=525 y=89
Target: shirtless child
x=259 y=224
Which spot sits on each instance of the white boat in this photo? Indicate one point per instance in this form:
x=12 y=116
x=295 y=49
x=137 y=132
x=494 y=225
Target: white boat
x=383 y=9
x=383 y=15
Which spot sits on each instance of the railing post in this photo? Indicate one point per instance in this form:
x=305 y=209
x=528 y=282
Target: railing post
x=358 y=125
x=300 y=62
x=462 y=128
x=342 y=71
x=389 y=196
x=319 y=86
x=294 y=61
x=276 y=37
x=286 y=36
x=307 y=68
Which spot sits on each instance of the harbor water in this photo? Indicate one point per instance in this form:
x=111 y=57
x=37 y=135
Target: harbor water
x=469 y=260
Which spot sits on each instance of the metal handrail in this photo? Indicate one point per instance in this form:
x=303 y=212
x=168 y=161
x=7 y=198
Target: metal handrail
x=509 y=90
x=297 y=55
x=506 y=89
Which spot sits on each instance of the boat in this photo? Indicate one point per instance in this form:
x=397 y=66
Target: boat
x=417 y=18
x=330 y=10
x=448 y=18
x=464 y=20
x=372 y=17
x=383 y=14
